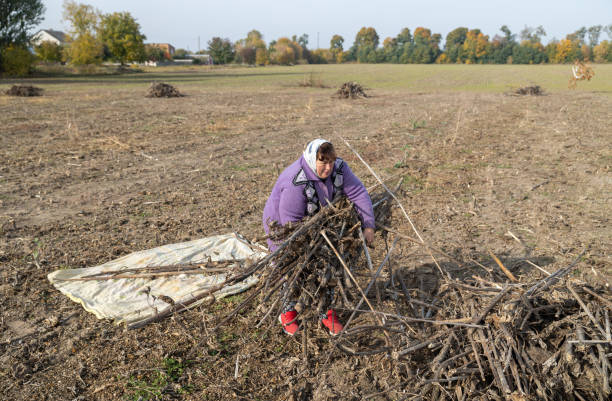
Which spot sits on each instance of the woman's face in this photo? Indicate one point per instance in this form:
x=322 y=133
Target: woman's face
x=324 y=168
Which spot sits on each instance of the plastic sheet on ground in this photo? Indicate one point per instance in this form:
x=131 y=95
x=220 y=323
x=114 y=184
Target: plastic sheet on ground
x=127 y=300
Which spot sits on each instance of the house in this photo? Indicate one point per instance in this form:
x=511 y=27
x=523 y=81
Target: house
x=167 y=48
x=49 y=35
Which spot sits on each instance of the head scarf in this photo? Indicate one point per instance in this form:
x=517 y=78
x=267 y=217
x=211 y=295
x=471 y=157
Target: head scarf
x=310 y=153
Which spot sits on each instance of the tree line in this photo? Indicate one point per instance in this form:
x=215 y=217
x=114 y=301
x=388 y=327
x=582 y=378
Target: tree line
x=95 y=37
x=461 y=45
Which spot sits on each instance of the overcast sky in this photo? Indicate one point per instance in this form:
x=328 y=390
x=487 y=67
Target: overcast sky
x=182 y=22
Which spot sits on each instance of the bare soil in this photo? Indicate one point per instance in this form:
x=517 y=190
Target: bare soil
x=89 y=174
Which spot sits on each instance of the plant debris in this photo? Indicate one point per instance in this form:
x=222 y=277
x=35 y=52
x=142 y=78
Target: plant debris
x=487 y=337
x=351 y=90
x=535 y=90
x=160 y=89
x=24 y=90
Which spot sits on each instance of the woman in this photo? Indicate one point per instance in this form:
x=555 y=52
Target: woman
x=308 y=184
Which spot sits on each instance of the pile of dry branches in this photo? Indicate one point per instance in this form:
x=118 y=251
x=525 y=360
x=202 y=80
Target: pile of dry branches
x=24 y=90
x=351 y=90
x=535 y=90
x=160 y=89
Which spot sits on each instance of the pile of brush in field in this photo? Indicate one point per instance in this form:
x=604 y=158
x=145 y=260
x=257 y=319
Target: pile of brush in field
x=485 y=336
x=160 y=89
x=24 y=90
x=351 y=90
x=535 y=90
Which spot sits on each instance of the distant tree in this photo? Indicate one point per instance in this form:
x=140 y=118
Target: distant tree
x=302 y=41
x=246 y=48
x=578 y=36
x=390 y=50
x=594 y=32
x=154 y=53
x=285 y=51
x=49 y=52
x=551 y=51
x=84 y=46
x=336 y=48
x=323 y=56
x=221 y=50
x=603 y=52
x=508 y=35
x=121 y=35
x=529 y=53
x=533 y=35
x=366 y=37
x=261 y=56
x=180 y=54
x=17 y=61
x=247 y=55
x=17 y=18
x=608 y=30
x=502 y=47
x=567 y=51
x=476 y=47
x=426 y=47
x=453 y=46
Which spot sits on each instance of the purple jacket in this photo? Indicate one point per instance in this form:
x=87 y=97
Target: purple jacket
x=287 y=202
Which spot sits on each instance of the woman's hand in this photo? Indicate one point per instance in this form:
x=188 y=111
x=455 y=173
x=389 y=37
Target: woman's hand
x=368 y=233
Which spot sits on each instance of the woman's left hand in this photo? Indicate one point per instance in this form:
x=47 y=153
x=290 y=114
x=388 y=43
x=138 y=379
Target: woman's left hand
x=368 y=233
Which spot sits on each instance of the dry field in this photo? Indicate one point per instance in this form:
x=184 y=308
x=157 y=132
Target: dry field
x=92 y=170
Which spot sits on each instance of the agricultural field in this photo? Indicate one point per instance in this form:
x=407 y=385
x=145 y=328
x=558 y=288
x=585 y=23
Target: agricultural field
x=94 y=170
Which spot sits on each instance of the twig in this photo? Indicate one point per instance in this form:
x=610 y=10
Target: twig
x=395 y=198
x=502 y=267
x=584 y=307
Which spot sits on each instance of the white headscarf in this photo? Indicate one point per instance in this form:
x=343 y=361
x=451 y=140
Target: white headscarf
x=310 y=153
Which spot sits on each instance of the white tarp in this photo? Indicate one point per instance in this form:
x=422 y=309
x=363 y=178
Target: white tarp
x=126 y=300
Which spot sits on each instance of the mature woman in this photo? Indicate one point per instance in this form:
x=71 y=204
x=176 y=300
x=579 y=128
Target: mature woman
x=308 y=184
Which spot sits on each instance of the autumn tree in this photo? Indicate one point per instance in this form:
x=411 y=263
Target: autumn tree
x=84 y=46
x=221 y=50
x=366 y=42
x=285 y=51
x=567 y=51
x=603 y=52
x=533 y=35
x=578 y=36
x=246 y=49
x=404 y=46
x=531 y=50
x=121 y=35
x=336 y=47
x=262 y=56
x=154 y=53
x=502 y=47
x=426 y=46
x=594 y=32
x=453 y=47
x=17 y=18
x=49 y=52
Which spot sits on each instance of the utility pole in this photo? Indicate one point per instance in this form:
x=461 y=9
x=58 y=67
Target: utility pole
x=198 y=44
x=317 y=40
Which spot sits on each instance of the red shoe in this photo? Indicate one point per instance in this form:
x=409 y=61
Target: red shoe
x=332 y=323
x=288 y=320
